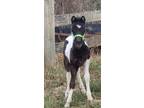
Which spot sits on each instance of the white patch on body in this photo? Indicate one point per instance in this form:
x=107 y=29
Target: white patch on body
x=86 y=43
x=78 y=26
x=70 y=40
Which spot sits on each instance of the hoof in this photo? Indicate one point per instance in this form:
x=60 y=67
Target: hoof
x=67 y=105
x=83 y=90
x=90 y=98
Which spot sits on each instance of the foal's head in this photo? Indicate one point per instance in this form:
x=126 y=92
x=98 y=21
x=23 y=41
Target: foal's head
x=78 y=30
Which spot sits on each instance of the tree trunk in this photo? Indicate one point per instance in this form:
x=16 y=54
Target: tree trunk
x=49 y=33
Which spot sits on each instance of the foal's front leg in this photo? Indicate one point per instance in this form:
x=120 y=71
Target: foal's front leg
x=87 y=79
x=72 y=86
x=68 y=78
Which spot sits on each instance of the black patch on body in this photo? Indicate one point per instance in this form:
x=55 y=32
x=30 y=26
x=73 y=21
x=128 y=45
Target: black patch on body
x=77 y=59
x=79 y=56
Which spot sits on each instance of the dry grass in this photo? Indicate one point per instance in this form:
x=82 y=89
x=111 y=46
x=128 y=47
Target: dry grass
x=55 y=85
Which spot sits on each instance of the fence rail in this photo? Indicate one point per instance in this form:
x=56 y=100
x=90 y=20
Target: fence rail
x=92 y=41
x=65 y=18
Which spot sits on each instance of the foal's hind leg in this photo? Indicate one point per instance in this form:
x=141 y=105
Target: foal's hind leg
x=83 y=90
x=87 y=80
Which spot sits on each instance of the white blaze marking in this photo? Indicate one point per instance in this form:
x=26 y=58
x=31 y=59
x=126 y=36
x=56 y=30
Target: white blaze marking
x=79 y=26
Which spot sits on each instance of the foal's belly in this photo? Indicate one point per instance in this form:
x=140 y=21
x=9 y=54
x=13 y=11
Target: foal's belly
x=78 y=62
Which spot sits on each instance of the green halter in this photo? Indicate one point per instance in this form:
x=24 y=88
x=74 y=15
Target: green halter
x=79 y=35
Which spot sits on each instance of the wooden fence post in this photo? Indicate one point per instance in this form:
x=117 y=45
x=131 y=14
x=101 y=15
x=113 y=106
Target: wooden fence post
x=49 y=33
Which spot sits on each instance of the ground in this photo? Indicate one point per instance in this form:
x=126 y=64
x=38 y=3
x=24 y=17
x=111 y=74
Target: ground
x=55 y=85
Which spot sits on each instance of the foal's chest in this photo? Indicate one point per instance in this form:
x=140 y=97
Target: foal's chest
x=78 y=61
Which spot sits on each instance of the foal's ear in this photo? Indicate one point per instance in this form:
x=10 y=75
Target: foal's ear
x=83 y=19
x=73 y=19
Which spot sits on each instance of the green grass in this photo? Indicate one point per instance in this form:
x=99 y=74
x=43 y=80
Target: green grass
x=55 y=85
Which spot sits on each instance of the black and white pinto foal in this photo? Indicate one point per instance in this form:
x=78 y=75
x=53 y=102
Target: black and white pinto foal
x=76 y=54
